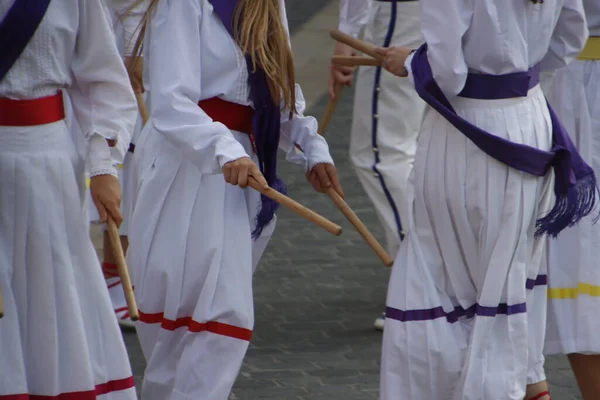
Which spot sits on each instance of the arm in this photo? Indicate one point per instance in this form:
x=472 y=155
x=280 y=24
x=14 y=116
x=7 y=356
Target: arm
x=176 y=89
x=444 y=22
x=569 y=37
x=353 y=16
x=103 y=102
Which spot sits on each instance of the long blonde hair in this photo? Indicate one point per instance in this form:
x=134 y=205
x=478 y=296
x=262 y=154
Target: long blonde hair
x=260 y=33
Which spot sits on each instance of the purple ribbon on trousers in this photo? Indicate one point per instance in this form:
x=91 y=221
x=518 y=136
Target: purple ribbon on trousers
x=575 y=184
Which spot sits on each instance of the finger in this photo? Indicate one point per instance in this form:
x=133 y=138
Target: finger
x=234 y=174
x=227 y=173
x=255 y=172
x=315 y=182
x=332 y=172
x=242 y=179
x=323 y=177
x=102 y=213
x=382 y=50
x=331 y=85
x=115 y=212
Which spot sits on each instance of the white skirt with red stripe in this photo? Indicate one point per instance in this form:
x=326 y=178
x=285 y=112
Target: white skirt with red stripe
x=59 y=337
x=574 y=276
x=191 y=259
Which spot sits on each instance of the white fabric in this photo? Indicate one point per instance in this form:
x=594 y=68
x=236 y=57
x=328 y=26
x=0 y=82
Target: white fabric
x=574 y=276
x=470 y=241
x=395 y=139
x=354 y=15
x=93 y=70
x=127 y=17
x=499 y=38
x=59 y=334
x=191 y=251
x=592 y=13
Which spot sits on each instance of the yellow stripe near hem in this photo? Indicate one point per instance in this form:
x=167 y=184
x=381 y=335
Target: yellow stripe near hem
x=591 y=51
x=573 y=293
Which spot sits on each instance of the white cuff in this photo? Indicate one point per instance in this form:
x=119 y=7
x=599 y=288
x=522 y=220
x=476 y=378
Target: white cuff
x=317 y=153
x=100 y=156
x=408 y=66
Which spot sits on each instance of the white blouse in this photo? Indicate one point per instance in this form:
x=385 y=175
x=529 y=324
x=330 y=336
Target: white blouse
x=592 y=13
x=499 y=37
x=190 y=57
x=74 y=49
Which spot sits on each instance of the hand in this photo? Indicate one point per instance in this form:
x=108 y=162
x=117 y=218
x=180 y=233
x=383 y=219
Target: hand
x=394 y=59
x=324 y=176
x=237 y=173
x=340 y=74
x=106 y=194
x=135 y=69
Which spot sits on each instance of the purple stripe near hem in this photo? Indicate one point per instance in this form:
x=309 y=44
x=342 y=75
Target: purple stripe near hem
x=458 y=312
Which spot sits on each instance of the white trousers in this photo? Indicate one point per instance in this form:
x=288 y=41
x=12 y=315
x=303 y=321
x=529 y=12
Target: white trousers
x=465 y=313
x=386 y=120
x=191 y=259
x=574 y=276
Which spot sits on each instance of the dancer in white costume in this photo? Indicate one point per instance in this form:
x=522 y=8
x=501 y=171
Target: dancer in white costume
x=466 y=308
x=573 y=273
x=382 y=147
x=59 y=337
x=191 y=232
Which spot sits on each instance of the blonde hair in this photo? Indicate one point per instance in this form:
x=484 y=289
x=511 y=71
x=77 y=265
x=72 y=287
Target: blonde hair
x=260 y=33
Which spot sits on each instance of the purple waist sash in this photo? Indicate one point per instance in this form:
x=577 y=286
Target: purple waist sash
x=575 y=184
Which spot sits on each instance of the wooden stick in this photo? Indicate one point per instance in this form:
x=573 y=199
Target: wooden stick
x=355 y=61
x=328 y=114
x=142 y=107
x=115 y=241
x=296 y=207
x=356 y=44
x=1 y=304
x=360 y=227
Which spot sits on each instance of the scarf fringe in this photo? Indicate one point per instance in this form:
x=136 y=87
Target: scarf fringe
x=570 y=208
x=267 y=209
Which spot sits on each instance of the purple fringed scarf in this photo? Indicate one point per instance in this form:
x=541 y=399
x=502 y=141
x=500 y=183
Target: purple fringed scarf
x=575 y=184
x=17 y=28
x=266 y=122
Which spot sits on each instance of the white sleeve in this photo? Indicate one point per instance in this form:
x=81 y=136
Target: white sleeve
x=103 y=101
x=301 y=130
x=176 y=89
x=568 y=38
x=129 y=14
x=444 y=23
x=354 y=15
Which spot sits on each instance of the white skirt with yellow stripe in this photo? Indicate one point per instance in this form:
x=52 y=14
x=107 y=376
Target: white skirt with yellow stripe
x=574 y=274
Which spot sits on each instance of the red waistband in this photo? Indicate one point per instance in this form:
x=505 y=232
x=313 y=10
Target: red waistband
x=234 y=116
x=45 y=110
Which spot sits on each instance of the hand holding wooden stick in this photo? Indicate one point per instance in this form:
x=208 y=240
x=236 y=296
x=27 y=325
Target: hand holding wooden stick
x=296 y=207
x=355 y=61
x=357 y=44
x=115 y=240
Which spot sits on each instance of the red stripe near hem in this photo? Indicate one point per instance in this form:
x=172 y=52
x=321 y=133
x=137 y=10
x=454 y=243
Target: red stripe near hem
x=217 y=328
x=101 y=389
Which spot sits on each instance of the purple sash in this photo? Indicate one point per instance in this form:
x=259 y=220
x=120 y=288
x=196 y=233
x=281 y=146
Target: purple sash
x=17 y=28
x=575 y=184
x=266 y=122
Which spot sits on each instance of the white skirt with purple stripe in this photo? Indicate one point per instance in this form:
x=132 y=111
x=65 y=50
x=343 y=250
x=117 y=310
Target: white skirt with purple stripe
x=466 y=307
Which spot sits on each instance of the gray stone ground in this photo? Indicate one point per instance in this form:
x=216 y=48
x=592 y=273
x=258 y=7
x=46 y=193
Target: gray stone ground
x=317 y=295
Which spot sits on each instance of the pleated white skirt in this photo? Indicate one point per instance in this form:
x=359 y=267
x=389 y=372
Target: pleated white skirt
x=574 y=275
x=466 y=302
x=59 y=335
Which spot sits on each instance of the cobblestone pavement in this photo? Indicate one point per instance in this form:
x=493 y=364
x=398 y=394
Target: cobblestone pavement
x=317 y=295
